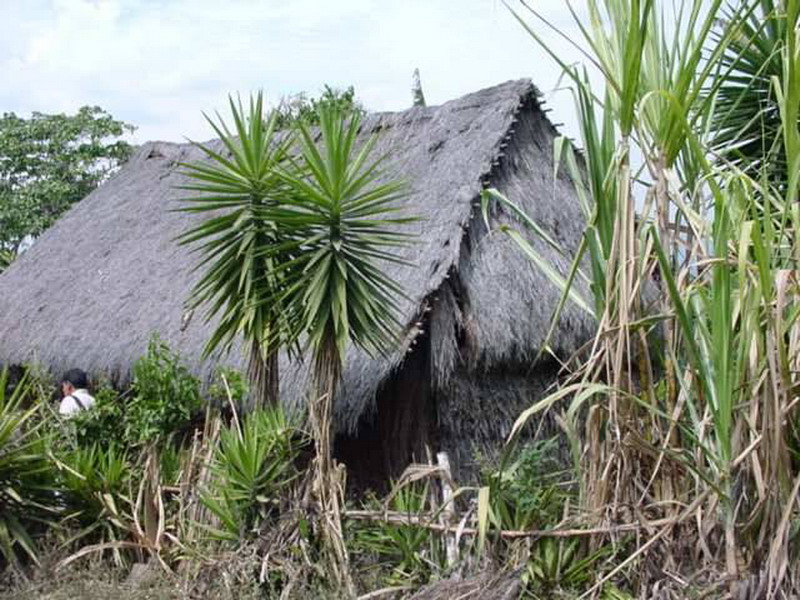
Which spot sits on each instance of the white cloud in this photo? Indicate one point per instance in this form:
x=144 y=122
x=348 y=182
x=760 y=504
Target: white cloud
x=160 y=63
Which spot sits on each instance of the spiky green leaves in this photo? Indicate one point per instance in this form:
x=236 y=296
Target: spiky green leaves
x=342 y=211
x=747 y=118
x=297 y=233
x=26 y=489
x=238 y=239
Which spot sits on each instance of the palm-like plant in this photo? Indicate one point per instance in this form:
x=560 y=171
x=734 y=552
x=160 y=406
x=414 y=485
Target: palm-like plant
x=747 y=127
x=26 y=488
x=342 y=212
x=238 y=240
x=294 y=250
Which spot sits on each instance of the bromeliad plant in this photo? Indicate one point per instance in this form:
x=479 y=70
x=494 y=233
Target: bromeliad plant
x=95 y=483
x=405 y=554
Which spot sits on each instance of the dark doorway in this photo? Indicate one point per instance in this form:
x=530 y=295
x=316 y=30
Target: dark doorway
x=399 y=430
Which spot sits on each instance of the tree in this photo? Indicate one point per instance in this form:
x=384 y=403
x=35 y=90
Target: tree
x=239 y=241
x=293 y=246
x=50 y=162
x=342 y=210
x=301 y=108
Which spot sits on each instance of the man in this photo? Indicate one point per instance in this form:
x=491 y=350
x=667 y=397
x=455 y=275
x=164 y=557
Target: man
x=74 y=386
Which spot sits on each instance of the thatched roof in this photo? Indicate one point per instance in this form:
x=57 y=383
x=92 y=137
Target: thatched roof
x=94 y=287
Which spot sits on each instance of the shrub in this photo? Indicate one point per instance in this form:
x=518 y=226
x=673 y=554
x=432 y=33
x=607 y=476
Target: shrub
x=531 y=491
x=164 y=396
x=407 y=554
x=229 y=387
x=252 y=468
x=26 y=485
x=160 y=403
x=104 y=424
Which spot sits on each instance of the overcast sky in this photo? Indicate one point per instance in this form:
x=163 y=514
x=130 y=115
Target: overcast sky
x=159 y=63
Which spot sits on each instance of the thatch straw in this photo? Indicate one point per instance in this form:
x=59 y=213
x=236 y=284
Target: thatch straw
x=94 y=287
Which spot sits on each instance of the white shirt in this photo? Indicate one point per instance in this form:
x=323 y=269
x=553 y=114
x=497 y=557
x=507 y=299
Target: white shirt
x=69 y=405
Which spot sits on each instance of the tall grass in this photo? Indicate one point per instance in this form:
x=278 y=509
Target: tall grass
x=685 y=401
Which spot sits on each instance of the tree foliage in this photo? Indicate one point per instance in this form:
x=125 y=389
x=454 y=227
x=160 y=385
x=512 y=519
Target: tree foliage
x=302 y=109
x=49 y=162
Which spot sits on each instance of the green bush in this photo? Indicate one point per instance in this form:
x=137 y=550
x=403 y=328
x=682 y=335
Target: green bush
x=101 y=453
x=251 y=470
x=104 y=424
x=530 y=492
x=406 y=554
x=161 y=402
x=164 y=397
x=27 y=490
x=235 y=392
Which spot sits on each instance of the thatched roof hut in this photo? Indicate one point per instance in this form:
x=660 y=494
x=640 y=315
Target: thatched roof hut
x=94 y=287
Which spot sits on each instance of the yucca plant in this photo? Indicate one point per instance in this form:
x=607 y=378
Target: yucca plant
x=292 y=251
x=238 y=241
x=27 y=490
x=252 y=467
x=342 y=210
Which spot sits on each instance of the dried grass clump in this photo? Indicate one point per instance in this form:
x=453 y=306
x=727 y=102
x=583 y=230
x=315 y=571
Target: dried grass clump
x=489 y=585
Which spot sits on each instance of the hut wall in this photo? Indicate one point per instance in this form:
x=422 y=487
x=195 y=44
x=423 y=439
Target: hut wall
x=491 y=317
x=477 y=411
x=400 y=430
